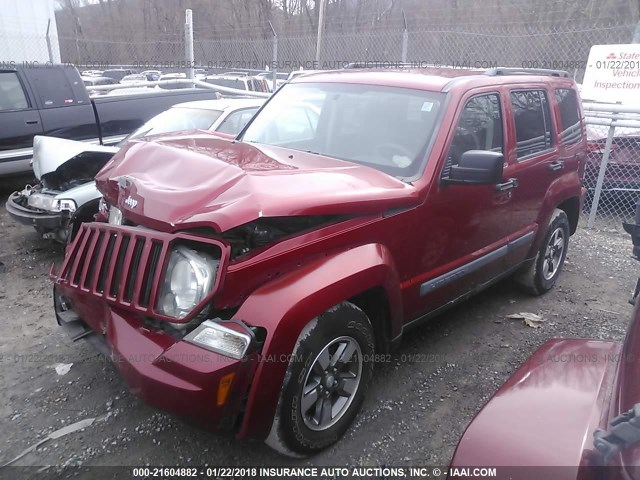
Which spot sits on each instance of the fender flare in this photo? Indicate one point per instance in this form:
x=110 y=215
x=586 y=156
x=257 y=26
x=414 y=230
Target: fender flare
x=559 y=191
x=286 y=305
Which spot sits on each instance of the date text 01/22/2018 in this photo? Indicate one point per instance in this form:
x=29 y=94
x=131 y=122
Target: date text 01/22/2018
x=289 y=472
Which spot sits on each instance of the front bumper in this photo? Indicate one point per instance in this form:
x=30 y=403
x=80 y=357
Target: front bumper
x=165 y=372
x=41 y=220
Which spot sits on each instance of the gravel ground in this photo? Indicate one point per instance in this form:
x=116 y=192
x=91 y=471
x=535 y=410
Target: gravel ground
x=415 y=411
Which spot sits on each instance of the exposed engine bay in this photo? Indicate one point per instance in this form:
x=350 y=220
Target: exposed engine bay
x=66 y=194
x=266 y=231
x=76 y=171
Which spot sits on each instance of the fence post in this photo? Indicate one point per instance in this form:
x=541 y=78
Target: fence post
x=322 y=6
x=601 y=173
x=405 y=39
x=274 y=63
x=49 y=42
x=78 y=29
x=188 y=42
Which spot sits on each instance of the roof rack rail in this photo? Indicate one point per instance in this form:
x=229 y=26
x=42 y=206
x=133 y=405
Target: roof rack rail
x=526 y=71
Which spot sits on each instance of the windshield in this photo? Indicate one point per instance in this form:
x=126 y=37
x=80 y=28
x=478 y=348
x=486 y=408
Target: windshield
x=174 y=120
x=386 y=128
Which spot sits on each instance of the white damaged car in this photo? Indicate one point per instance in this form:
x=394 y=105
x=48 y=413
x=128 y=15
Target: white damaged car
x=66 y=194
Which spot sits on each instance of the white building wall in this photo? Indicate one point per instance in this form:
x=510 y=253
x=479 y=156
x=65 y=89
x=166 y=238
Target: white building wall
x=23 y=29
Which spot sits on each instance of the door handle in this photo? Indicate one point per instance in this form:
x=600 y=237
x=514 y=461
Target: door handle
x=506 y=186
x=31 y=122
x=557 y=165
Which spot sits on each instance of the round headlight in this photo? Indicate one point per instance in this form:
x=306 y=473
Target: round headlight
x=189 y=278
x=184 y=284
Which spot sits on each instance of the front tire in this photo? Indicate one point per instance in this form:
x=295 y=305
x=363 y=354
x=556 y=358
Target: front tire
x=325 y=382
x=541 y=276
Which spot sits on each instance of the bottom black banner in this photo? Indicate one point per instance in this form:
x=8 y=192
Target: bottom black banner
x=320 y=472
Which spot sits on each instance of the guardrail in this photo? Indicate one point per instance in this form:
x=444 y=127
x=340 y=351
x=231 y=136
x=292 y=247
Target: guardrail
x=180 y=81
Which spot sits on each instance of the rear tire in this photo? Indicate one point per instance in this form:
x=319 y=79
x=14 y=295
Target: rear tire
x=325 y=383
x=541 y=276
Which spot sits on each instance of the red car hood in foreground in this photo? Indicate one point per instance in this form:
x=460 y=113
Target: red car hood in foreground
x=545 y=414
x=203 y=180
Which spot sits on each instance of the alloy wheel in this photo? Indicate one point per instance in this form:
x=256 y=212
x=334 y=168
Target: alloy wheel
x=553 y=253
x=331 y=383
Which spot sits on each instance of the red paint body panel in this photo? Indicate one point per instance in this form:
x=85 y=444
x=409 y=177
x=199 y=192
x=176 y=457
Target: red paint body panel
x=295 y=298
x=393 y=236
x=242 y=183
x=627 y=391
x=169 y=374
x=547 y=412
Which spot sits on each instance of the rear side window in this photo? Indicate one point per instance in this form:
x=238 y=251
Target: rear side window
x=12 y=95
x=479 y=128
x=533 y=122
x=569 y=115
x=52 y=87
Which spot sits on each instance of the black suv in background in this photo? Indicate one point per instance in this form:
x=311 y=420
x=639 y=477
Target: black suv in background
x=53 y=101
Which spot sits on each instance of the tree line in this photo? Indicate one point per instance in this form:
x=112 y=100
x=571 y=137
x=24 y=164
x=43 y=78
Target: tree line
x=148 y=20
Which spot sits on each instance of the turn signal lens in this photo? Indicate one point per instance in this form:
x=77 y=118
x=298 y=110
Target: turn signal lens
x=223 y=388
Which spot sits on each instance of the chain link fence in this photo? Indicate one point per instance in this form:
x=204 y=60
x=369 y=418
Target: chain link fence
x=102 y=54
x=510 y=45
x=522 y=45
x=612 y=171
x=20 y=47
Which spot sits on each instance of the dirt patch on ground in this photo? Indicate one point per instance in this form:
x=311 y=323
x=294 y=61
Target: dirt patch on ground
x=416 y=409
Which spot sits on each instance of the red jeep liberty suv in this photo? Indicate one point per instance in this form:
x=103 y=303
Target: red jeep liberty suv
x=251 y=284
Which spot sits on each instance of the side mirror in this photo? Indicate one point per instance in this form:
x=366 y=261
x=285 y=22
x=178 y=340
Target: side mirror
x=477 y=167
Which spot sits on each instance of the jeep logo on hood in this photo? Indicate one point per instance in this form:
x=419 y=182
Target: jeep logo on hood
x=130 y=202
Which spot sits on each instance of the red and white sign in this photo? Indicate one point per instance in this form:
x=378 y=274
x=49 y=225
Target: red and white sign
x=612 y=74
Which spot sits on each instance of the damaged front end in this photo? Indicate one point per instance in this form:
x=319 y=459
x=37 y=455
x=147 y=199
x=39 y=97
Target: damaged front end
x=144 y=299
x=66 y=194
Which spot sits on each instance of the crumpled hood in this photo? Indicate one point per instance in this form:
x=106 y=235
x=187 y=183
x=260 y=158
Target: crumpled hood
x=51 y=152
x=200 y=179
